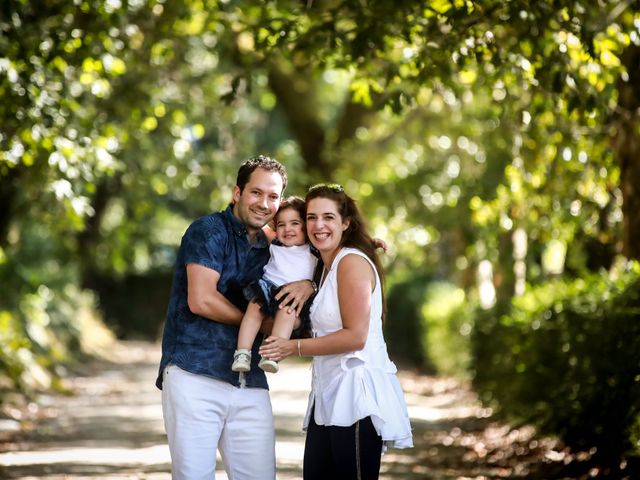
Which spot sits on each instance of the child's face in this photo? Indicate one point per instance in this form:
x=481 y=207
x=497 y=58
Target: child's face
x=290 y=228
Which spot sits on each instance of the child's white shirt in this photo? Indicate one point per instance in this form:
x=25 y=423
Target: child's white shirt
x=289 y=264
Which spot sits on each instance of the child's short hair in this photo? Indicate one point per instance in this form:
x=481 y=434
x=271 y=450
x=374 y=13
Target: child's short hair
x=294 y=202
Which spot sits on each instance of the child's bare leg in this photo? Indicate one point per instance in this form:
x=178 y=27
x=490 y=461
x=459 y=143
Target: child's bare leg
x=284 y=323
x=282 y=327
x=250 y=326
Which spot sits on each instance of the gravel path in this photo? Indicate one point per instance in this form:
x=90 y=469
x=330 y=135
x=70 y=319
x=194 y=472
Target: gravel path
x=111 y=428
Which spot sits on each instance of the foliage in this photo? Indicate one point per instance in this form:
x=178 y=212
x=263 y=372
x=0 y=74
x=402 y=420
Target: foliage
x=447 y=315
x=566 y=357
x=46 y=320
x=429 y=325
x=483 y=89
x=45 y=335
x=404 y=329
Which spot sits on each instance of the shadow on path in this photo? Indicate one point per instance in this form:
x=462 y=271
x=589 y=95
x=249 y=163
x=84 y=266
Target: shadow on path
x=111 y=428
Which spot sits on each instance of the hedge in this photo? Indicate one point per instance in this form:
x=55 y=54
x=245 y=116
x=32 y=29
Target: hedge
x=566 y=358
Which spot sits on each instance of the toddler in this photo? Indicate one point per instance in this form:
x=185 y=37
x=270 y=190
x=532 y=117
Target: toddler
x=291 y=260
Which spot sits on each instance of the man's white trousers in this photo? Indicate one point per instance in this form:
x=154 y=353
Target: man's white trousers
x=202 y=414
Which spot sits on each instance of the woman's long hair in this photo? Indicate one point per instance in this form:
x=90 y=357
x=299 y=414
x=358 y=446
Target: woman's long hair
x=356 y=234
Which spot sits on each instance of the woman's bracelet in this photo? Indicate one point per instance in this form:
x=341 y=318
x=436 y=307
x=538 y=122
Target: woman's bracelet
x=299 y=354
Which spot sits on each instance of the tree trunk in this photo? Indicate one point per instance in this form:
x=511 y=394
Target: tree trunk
x=87 y=240
x=626 y=142
x=296 y=99
x=9 y=189
x=504 y=276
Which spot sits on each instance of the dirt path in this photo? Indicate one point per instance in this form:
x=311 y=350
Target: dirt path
x=111 y=428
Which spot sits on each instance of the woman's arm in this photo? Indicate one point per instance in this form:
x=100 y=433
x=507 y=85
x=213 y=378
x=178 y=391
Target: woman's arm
x=356 y=281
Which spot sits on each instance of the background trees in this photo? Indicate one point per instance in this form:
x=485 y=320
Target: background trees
x=495 y=145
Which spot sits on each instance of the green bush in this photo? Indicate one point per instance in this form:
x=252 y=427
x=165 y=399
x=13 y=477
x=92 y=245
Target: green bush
x=566 y=358
x=43 y=334
x=404 y=329
x=447 y=322
x=46 y=322
x=429 y=325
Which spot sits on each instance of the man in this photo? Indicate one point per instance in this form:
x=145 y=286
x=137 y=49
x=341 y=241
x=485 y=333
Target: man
x=207 y=406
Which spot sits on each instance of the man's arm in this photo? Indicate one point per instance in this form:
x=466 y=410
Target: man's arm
x=205 y=300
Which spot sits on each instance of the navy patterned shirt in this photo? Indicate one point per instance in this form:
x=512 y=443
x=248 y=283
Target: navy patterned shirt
x=196 y=344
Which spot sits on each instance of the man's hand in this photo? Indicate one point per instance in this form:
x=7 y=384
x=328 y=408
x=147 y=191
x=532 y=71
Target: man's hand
x=293 y=295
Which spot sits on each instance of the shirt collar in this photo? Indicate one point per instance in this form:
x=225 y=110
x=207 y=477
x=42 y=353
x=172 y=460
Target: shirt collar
x=241 y=231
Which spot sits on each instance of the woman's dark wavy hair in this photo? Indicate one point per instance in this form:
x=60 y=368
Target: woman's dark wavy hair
x=356 y=234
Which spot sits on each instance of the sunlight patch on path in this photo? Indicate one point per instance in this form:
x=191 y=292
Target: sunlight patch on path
x=156 y=454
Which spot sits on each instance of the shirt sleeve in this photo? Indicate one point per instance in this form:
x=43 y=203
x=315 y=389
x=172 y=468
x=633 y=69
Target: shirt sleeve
x=205 y=243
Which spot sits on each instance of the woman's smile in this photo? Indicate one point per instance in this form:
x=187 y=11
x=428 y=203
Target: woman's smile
x=325 y=227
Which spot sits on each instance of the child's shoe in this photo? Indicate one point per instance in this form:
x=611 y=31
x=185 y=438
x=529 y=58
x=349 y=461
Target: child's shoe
x=241 y=360
x=267 y=365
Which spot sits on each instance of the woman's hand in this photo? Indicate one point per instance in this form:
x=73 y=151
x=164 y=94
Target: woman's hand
x=379 y=243
x=293 y=295
x=277 y=349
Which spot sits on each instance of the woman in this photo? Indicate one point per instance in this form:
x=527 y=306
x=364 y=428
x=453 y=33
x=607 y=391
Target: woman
x=356 y=406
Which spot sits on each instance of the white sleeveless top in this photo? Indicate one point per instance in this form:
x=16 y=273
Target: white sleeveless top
x=289 y=264
x=350 y=386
